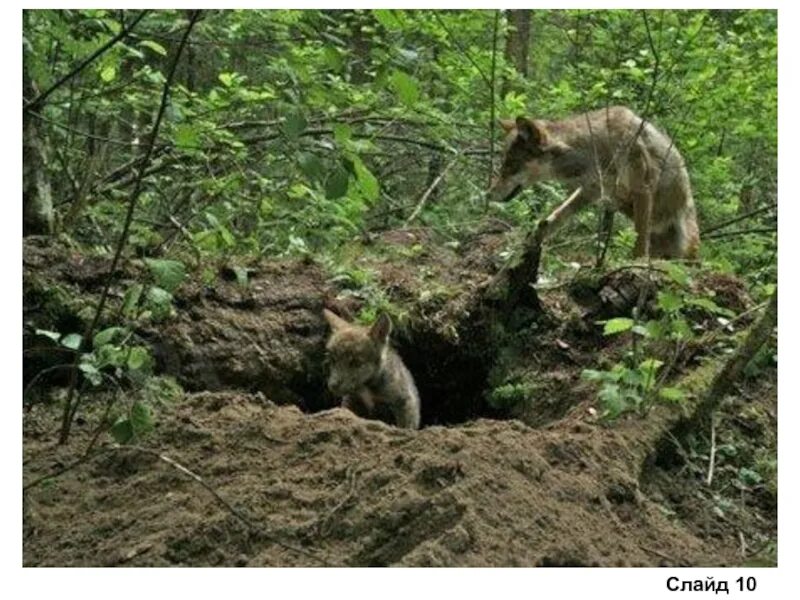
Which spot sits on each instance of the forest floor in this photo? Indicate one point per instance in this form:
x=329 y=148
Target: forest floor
x=286 y=479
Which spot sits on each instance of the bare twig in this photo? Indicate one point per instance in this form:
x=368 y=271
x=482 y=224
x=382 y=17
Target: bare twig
x=739 y=218
x=712 y=454
x=726 y=234
x=218 y=497
x=123 y=238
x=38 y=102
x=427 y=194
x=194 y=476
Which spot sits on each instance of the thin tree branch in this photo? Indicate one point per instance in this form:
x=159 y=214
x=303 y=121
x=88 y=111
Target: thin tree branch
x=218 y=497
x=38 y=102
x=463 y=50
x=737 y=232
x=492 y=101
x=738 y=218
x=123 y=238
x=426 y=195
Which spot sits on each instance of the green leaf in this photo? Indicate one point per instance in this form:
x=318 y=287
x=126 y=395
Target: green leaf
x=122 y=430
x=749 y=476
x=227 y=79
x=680 y=329
x=72 y=341
x=677 y=273
x=139 y=358
x=618 y=325
x=367 y=182
x=108 y=336
x=159 y=303
x=669 y=302
x=91 y=372
x=53 y=335
x=154 y=46
x=168 y=274
x=651 y=364
x=337 y=183
x=406 y=87
x=709 y=305
x=109 y=73
x=655 y=329
x=310 y=165
x=131 y=300
x=386 y=18
x=672 y=394
x=141 y=420
x=612 y=401
x=186 y=136
x=593 y=375
x=294 y=125
x=333 y=58
x=342 y=133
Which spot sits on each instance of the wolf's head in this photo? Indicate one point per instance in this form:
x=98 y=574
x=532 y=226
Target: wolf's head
x=355 y=353
x=527 y=158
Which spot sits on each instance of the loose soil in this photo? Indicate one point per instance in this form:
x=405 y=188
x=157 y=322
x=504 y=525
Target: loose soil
x=289 y=480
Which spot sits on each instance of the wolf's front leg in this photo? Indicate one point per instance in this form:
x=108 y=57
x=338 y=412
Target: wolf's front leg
x=356 y=405
x=406 y=417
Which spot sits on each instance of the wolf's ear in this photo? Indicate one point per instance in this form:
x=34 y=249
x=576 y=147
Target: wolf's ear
x=507 y=124
x=531 y=131
x=381 y=329
x=335 y=321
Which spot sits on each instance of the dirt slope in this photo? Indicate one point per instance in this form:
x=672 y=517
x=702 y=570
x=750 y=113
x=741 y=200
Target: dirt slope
x=350 y=491
x=329 y=488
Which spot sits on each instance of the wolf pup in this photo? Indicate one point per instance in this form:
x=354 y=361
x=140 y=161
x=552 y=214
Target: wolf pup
x=368 y=374
x=612 y=155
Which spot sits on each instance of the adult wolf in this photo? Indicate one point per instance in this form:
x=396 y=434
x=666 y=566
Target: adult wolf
x=612 y=155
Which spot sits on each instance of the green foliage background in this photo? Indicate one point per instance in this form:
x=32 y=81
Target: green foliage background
x=295 y=131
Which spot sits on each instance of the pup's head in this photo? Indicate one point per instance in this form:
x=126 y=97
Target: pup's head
x=527 y=158
x=355 y=353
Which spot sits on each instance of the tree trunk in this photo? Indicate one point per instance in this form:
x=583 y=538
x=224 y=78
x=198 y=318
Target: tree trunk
x=360 y=45
x=517 y=44
x=37 y=198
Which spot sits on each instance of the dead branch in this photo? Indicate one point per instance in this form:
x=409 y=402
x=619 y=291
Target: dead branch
x=757 y=337
x=218 y=497
x=712 y=454
x=424 y=199
x=89 y=455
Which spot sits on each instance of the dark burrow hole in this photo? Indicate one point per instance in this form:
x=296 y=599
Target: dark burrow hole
x=451 y=379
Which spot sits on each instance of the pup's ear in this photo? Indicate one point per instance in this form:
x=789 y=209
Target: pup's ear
x=335 y=321
x=507 y=124
x=531 y=132
x=381 y=329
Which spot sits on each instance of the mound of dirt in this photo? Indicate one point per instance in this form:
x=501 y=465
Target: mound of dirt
x=330 y=488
